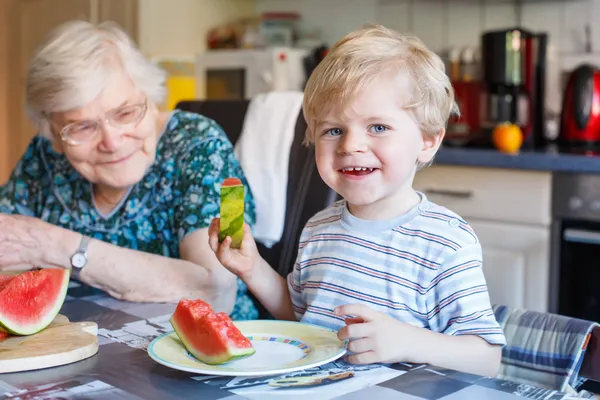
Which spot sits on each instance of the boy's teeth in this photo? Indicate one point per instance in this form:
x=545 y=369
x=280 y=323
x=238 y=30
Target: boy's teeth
x=358 y=169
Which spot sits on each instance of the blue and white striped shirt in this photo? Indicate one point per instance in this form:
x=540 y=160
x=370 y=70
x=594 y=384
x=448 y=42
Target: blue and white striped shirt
x=423 y=268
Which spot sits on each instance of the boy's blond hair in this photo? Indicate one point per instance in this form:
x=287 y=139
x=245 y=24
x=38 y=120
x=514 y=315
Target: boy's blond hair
x=364 y=54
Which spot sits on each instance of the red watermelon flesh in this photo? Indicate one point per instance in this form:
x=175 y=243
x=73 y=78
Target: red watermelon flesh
x=231 y=182
x=211 y=337
x=32 y=299
x=4 y=279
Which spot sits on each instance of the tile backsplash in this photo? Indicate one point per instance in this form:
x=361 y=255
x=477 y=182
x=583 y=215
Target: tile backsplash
x=444 y=24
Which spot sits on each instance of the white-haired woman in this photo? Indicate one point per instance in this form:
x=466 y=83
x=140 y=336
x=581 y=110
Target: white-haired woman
x=113 y=188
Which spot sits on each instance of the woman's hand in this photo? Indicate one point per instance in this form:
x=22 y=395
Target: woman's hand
x=24 y=242
x=240 y=262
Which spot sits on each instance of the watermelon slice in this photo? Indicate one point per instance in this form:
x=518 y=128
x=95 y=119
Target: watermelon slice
x=5 y=278
x=210 y=337
x=232 y=212
x=30 y=300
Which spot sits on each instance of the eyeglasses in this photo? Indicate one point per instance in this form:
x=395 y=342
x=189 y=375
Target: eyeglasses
x=81 y=132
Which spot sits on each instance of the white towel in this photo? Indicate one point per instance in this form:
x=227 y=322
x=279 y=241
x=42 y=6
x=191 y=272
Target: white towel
x=263 y=150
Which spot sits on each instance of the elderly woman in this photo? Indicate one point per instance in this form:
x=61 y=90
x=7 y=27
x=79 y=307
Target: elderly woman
x=113 y=188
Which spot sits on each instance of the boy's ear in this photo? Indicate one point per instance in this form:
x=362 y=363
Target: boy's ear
x=431 y=144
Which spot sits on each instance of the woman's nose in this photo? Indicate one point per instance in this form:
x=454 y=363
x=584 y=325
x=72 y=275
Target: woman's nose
x=111 y=137
x=352 y=142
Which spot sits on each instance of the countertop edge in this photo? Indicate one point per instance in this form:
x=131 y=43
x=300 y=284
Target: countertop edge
x=525 y=160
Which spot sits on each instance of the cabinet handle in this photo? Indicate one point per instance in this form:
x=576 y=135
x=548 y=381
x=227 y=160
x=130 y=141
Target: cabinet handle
x=581 y=236
x=450 y=193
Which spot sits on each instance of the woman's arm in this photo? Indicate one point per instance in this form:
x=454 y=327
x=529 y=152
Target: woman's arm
x=137 y=276
x=125 y=274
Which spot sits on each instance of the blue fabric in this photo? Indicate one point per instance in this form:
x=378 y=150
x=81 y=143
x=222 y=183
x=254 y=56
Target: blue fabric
x=542 y=349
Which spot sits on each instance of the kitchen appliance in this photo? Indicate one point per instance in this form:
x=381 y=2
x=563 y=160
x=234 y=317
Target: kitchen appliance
x=242 y=74
x=574 y=266
x=514 y=73
x=465 y=127
x=580 y=117
x=575 y=246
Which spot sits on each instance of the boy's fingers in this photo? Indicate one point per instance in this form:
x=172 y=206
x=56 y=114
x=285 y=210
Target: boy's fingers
x=368 y=357
x=213 y=234
x=223 y=251
x=213 y=242
x=360 y=345
x=247 y=238
x=214 y=226
x=357 y=311
x=349 y=321
x=355 y=331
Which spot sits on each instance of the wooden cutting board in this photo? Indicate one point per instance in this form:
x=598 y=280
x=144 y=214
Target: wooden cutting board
x=62 y=342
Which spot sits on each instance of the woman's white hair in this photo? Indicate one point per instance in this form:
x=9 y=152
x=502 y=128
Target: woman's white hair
x=73 y=65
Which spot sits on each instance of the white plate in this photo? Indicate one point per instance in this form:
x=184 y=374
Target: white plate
x=281 y=347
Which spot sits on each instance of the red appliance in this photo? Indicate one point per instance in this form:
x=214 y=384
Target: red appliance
x=514 y=74
x=580 y=119
x=466 y=127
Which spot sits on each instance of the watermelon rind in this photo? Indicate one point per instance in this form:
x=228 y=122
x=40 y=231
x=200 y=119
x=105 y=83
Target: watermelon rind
x=16 y=328
x=232 y=354
x=232 y=214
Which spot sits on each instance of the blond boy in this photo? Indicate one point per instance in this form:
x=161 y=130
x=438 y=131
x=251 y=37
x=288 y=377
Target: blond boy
x=399 y=276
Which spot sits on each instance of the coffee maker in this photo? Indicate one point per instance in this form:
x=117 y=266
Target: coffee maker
x=514 y=74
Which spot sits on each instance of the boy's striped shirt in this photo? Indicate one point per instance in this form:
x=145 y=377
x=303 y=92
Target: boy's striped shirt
x=423 y=268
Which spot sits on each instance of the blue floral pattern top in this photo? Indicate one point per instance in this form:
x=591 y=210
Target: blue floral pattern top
x=179 y=194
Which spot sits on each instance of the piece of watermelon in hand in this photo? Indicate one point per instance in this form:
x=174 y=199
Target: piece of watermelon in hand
x=232 y=212
x=211 y=337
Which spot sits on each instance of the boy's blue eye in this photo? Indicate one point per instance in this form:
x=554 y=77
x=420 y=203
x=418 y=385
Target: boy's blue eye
x=378 y=128
x=334 y=132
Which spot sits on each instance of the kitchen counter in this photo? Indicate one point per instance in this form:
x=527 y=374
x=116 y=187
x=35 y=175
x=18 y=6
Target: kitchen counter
x=540 y=160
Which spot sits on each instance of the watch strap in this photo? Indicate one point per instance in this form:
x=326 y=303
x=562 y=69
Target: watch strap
x=83 y=246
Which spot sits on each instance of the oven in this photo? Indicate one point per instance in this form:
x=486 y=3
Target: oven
x=575 y=255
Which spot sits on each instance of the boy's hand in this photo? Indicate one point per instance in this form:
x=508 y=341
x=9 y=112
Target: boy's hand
x=376 y=337
x=240 y=261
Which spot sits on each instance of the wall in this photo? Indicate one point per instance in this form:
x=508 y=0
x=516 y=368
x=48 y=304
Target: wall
x=450 y=23
x=5 y=131
x=188 y=22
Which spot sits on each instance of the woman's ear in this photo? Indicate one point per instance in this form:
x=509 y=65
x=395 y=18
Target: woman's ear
x=45 y=128
x=431 y=144
x=57 y=145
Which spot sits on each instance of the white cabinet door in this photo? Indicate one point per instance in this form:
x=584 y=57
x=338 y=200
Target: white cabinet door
x=515 y=263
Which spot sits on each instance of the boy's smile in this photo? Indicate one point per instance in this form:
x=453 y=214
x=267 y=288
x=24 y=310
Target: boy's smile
x=368 y=150
x=357 y=172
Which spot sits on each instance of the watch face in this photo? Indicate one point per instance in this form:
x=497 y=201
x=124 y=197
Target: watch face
x=78 y=260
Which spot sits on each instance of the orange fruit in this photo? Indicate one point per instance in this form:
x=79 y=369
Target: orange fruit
x=507 y=138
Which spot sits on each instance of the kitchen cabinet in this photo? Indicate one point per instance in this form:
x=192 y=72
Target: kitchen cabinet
x=510 y=211
x=26 y=23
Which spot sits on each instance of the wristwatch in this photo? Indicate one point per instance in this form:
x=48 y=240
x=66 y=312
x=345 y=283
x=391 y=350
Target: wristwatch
x=79 y=258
